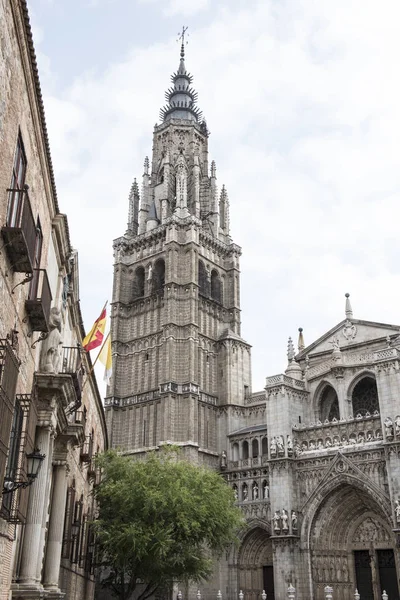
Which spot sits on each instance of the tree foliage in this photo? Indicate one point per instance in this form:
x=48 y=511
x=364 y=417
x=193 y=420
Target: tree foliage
x=161 y=519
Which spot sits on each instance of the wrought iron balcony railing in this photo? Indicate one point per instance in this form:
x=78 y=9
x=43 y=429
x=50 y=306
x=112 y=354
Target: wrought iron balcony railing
x=20 y=234
x=71 y=364
x=39 y=300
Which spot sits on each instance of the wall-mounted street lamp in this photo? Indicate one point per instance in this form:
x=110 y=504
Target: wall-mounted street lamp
x=34 y=460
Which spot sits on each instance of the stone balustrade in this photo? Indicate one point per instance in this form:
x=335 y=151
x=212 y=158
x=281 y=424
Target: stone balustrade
x=333 y=434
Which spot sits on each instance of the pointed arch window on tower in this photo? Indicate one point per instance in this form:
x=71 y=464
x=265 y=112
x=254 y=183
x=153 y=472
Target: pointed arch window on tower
x=158 y=277
x=216 y=287
x=204 y=281
x=138 y=283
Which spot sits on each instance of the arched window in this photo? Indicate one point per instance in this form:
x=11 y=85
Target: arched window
x=329 y=405
x=254 y=448
x=158 y=277
x=365 y=397
x=235 y=451
x=138 y=283
x=264 y=446
x=245 y=450
x=216 y=286
x=204 y=282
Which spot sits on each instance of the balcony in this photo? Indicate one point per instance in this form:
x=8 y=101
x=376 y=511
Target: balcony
x=71 y=364
x=20 y=236
x=39 y=300
x=87 y=449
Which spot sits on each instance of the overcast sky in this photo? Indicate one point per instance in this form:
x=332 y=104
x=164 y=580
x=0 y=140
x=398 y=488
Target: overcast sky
x=302 y=100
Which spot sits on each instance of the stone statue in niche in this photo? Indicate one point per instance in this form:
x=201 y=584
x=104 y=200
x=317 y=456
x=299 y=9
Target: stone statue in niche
x=397 y=425
x=388 y=427
x=150 y=272
x=255 y=491
x=294 y=521
x=235 y=491
x=289 y=444
x=50 y=356
x=265 y=490
x=397 y=511
x=223 y=460
x=277 y=522
x=285 y=520
x=273 y=447
x=280 y=445
x=245 y=493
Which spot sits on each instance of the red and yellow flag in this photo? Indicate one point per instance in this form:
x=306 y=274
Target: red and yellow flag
x=106 y=358
x=95 y=336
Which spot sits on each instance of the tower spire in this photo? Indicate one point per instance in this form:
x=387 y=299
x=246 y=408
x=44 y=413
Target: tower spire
x=300 y=344
x=133 y=213
x=181 y=97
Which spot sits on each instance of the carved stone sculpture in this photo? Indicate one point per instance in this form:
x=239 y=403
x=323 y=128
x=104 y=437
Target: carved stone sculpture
x=273 y=447
x=388 y=427
x=50 y=356
x=397 y=425
x=265 y=490
x=277 y=522
x=397 y=511
x=280 y=445
x=223 y=460
x=294 y=521
x=289 y=446
x=255 y=491
x=245 y=493
x=285 y=520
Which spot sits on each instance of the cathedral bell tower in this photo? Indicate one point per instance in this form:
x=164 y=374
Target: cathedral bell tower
x=178 y=357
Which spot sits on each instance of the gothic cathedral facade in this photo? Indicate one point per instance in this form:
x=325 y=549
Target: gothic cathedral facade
x=314 y=458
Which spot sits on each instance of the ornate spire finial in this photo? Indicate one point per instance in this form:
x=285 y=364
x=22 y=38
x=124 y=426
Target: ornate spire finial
x=348 y=309
x=181 y=97
x=290 y=350
x=300 y=344
x=146 y=165
x=213 y=169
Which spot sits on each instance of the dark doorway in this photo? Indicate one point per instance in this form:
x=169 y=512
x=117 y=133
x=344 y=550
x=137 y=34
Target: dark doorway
x=387 y=573
x=268 y=578
x=362 y=564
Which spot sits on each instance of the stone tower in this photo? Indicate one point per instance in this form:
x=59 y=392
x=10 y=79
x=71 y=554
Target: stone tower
x=180 y=366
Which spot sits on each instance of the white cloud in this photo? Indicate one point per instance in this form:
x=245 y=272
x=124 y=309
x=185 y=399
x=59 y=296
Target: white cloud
x=185 y=8
x=302 y=104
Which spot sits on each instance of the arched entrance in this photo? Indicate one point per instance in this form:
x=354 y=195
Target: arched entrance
x=256 y=565
x=352 y=546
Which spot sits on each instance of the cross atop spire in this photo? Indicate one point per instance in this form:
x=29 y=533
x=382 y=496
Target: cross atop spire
x=181 y=36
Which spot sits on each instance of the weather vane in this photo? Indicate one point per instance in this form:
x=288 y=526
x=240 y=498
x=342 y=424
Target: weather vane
x=181 y=35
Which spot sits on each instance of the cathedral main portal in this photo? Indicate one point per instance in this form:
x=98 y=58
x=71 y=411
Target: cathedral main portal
x=255 y=565
x=352 y=546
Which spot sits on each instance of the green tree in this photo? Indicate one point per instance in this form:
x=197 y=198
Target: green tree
x=161 y=519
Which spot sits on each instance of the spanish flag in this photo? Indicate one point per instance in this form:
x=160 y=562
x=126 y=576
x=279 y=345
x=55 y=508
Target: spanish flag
x=96 y=335
x=106 y=358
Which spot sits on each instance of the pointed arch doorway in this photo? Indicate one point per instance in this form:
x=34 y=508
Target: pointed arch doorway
x=352 y=546
x=256 y=571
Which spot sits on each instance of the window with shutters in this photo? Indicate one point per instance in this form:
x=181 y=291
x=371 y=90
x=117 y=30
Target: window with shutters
x=9 y=367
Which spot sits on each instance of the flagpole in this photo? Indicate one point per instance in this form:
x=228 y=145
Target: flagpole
x=94 y=329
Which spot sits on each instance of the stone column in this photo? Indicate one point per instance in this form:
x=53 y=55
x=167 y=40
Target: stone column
x=56 y=526
x=38 y=499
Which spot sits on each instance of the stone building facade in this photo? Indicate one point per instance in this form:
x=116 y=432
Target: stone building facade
x=50 y=405
x=314 y=459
